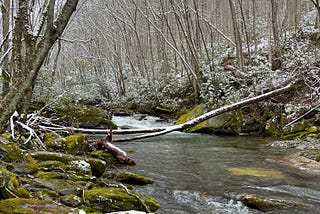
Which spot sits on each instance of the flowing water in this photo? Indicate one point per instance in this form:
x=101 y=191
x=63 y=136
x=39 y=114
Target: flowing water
x=192 y=173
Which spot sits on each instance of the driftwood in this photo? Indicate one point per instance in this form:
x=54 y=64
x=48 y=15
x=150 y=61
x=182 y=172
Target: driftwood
x=105 y=144
x=152 y=132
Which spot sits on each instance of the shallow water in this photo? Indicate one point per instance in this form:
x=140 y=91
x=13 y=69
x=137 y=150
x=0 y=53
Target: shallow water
x=192 y=172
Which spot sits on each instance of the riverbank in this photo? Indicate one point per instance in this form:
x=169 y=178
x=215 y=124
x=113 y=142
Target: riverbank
x=305 y=162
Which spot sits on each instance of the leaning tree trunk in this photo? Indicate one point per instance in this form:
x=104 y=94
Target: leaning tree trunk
x=42 y=46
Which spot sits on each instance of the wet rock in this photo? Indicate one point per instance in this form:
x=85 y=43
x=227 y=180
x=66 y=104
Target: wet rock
x=8 y=184
x=86 y=117
x=54 y=141
x=266 y=204
x=71 y=200
x=106 y=156
x=60 y=186
x=298 y=164
x=130 y=178
x=31 y=206
x=81 y=166
x=117 y=199
x=257 y=172
x=227 y=124
x=77 y=144
x=98 y=166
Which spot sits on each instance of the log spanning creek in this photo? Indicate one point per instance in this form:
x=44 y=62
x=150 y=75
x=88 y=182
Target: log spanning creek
x=197 y=173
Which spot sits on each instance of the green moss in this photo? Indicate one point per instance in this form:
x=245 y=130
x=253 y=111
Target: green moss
x=54 y=141
x=73 y=141
x=312 y=129
x=227 y=123
x=22 y=193
x=106 y=156
x=48 y=175
x=31 y=163
x=98 y=166
x=31 y=206
x=116 y=199
x=267 y=204
x=13 y=152
x=8 y=180
x=87 y=116
x=132 y=178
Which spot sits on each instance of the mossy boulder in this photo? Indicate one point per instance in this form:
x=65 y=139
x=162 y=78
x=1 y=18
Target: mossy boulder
x=117 y=199
x=109 y=158
x=8 y=183
x=86 y=116
x=228 y=123
x=77 y=144
x=98 y=166
x=54 y=141
x=131 y=178
x=266 y=204
x=31 y=206
x=11 y=152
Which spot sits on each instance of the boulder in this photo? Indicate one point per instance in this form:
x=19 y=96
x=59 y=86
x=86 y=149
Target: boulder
x=31 y=206
x=266 y=204
x=117 y=199
x=228 y=123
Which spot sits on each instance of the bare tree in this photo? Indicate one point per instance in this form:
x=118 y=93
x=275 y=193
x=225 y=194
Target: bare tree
x=30 y=48
x=274 y=21
x=316 y=3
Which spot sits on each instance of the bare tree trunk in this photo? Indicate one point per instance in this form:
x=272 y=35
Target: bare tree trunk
x=274 y=21
x=316 y=3
x=237 y=35
x=254 y=24
x=25 y=82
x=5 y=35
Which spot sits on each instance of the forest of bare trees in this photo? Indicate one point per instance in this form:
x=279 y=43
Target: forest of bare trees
x=115 y=49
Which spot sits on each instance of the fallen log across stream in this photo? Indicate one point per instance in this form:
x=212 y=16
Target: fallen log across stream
x=153 y=132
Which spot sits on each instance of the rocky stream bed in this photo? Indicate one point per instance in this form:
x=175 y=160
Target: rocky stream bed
x=72 y=176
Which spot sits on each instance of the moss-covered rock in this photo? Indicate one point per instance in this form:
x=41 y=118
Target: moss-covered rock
x=117 y=199
x=228 y=123
x=86 y=116
x=8 y=183
x=266 y=204
x=54 y=141
x=11 y=152
x=132 y=178
x=110 y=159
x=22 y=193
x=31 y=206
x=77 y=144
x=98 y=166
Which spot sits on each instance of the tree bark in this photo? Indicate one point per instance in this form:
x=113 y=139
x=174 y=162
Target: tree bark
x=26 y=81
x=274 y=20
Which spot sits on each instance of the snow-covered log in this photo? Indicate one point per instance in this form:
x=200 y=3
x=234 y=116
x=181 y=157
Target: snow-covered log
x=152 y=132
x=213 y=113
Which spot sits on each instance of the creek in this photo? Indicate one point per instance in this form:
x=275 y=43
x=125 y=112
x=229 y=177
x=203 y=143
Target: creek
x=191 y=172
